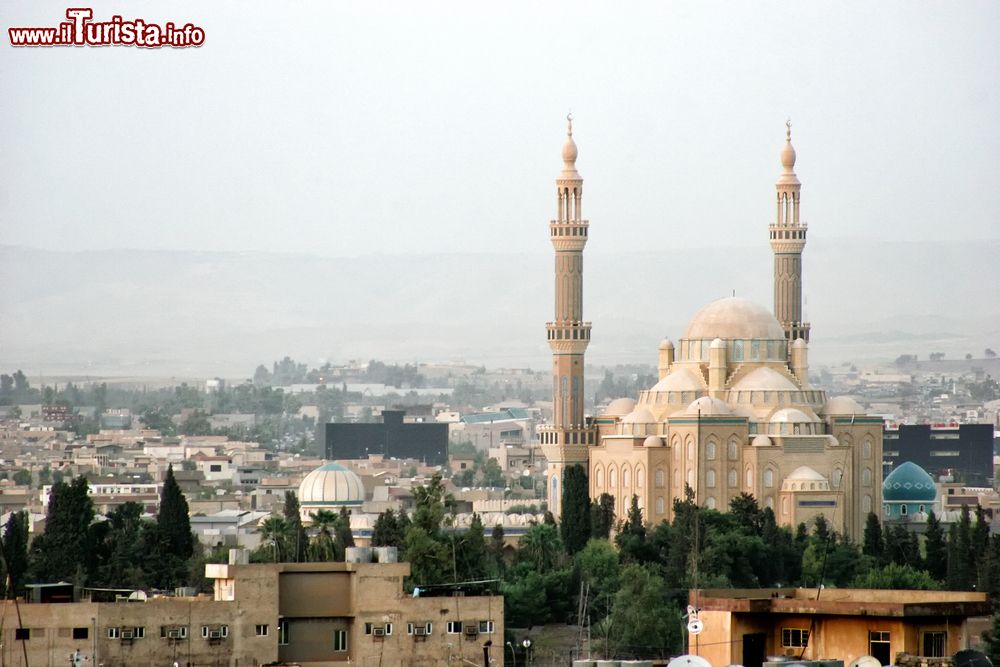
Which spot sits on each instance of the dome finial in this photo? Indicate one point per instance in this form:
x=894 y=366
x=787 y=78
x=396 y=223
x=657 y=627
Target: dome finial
x=787 y=151
x=788 y=129
x=569 y=122
x=569 y=152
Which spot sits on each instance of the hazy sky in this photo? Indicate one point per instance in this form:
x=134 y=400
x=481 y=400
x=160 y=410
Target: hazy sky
x=350 y=128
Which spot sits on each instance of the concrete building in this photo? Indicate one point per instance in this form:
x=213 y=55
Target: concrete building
x=964 y=451
x=744 y=626
x=393 y=437
x=734 y=410
x=311 y=614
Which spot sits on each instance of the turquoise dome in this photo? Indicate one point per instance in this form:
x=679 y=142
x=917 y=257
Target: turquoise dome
x=909 y=483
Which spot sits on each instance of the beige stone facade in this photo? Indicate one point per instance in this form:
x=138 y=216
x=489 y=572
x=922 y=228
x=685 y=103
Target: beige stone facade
x=733 y=411
x=313 y=614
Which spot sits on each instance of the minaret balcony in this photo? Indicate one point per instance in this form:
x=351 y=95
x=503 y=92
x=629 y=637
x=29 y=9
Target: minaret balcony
x=569 y=236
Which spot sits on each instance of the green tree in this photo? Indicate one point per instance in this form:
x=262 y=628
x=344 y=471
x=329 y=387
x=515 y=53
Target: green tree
x=602 y=516
x=274 y=539
x=174 y=532
x=431 y=504
x=497 y=564
x=897 y=577
x=389 y=530
x=298 y=539
x=22 y=477
x=429 y=559
x=747 y=513
x=599 y=569
x=15 y=553
x=492 y=474
x=935 y=548
x=631 y=537
x=873 y=545
x=119 y=545
x=470 y=556
x=343 y=537
x=575 y=520
x=991 y=641
x=644 y=623
x=323 y=548
x=541 y=548
x=61 y=552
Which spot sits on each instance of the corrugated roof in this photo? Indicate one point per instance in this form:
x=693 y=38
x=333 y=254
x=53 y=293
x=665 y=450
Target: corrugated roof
x=510 y=414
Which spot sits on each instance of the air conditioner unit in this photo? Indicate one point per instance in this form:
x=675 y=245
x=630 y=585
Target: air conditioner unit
x=420 y=630
x=174 y=634
x=378 y=632
x=471 y=630
x=128 y=634
x=215 y=634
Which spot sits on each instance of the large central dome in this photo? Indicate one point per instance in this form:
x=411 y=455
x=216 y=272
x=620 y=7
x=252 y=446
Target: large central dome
x=733 y=318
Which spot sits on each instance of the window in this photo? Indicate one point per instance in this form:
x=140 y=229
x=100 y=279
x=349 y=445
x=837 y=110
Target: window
x=388 y=628
x=734 y=450
x=733 y=478
x=419 y=628
x=866 y=477
x=661 y=478
x=768 y=478
x=879 y=646
x=81 y=633
x=710 y=503
x=368 y=628
x=710 y=479
x=710 y=450
x=339 y=641
x=486 y=627
x=282 y=633
x=659 y=505
x=454 y=627
x=113 y=633
x=173 y=631
x=934 y=644
x=599 y=477
x=22 y=634
x=260 y=630
x=204 y=632
x=902 y=509
x=139 y=632
x=794 y=638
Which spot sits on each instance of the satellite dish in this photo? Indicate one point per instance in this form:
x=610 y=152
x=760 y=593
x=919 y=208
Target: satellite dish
x=137 y=596
x=971 y=658
x=865 y=661
x=689 y=661
x=695 y=626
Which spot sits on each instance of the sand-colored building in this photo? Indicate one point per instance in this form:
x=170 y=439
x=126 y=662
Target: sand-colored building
x=311 y=614
x=733 y=410
x=745 y=626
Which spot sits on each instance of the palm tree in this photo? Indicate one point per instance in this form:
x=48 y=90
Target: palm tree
x=274 y=529
x=322 y=545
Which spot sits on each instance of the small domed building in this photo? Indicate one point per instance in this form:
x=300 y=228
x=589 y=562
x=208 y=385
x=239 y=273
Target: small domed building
x=330 y=487
x=908 y=493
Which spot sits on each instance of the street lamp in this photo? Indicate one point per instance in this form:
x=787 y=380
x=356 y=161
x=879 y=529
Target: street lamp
x=513 y=654
x=527 y=651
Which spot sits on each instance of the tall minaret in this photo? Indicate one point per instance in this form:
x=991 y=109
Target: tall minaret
x=788 y=238
x=565 y=441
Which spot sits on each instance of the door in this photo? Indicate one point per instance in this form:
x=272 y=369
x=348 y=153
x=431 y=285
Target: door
x=754 y=649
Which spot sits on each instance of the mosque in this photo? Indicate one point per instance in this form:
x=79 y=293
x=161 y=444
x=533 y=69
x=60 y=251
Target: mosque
x=733 y=411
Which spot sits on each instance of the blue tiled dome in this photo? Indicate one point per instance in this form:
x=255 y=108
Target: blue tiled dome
x=909 y=483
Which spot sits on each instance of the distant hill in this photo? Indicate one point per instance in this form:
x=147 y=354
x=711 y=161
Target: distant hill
x=205 y=313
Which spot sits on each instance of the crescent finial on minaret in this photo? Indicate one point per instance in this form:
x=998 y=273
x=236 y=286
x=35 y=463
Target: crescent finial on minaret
x=569 y=121
x=788 y=129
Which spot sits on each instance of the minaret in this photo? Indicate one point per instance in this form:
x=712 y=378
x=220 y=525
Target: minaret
x=788 y=238
x=565 y=441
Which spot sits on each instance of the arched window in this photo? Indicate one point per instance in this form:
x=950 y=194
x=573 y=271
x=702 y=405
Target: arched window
x=640 y=477
x=626 y=477
x=866 y=504
x=661 y=478
x=599 y=477
x=613 y=477
x=737 y=350
x=784 y=506
x=748 y=478
x=690 y=448
x=902 y=509
x=677 y=480
x=769 y=503
x=866 y=477
x=768 y=478
x=885 y=508
x=554 y=495
x=675 y=444
x=710 y=503
x=710 y=450
x=923 y=508
x=710 y=479
x=659 y=504
x=690 y=478
x=866 y=448
x=733 y=477
x=838 y=477
x=734 y=449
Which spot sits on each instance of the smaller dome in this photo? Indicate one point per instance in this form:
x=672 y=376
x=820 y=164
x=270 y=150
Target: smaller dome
x=653 y=441
x=639 y=416
x=716 y=344
x=331 y=484
x=788 y=155
x=733 y=318
x=842 y=405
x=666 y=344
x=805 y=474
x=708 y=406
x=619 y=407
x=761 y=441
x=909 y=483
x=790 y=415
x=679 y=379
x=798 y=343
x=764 y=378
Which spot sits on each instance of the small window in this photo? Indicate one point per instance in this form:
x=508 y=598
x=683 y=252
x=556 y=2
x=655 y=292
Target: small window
x=261 y=630
x=215 y=467
x=113 y=633
x=934 y=644
x=22 y=634
x=139 y=632
x=224 y=630
x=794 y=638
x=388 y=628
x=486 y=627
x=368 y=628
x=454 y=627
x=902 y=509
x=81 y=633
x=204 y=632
x=340 y=641
x=282 y=633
